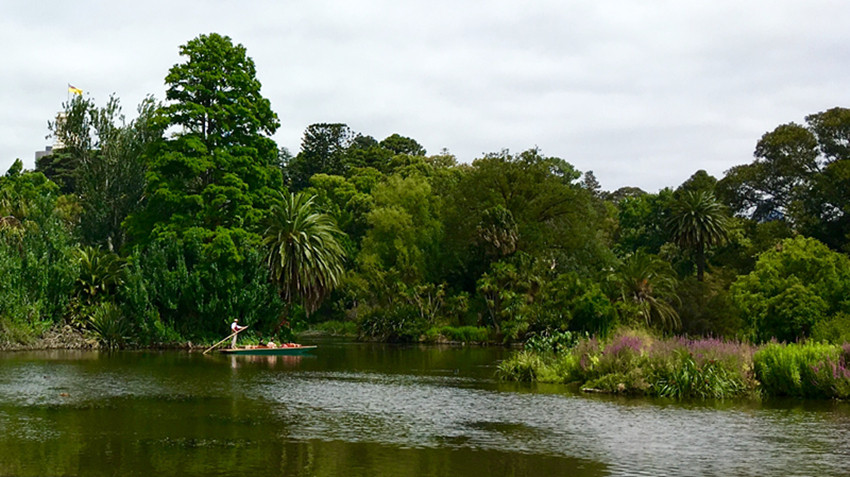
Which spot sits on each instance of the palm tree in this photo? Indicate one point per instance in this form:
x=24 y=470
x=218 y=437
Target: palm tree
x=304 y=251
x=698 y=222
x=648 y=283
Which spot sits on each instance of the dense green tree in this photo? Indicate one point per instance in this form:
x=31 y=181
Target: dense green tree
x=793 y=287
x=506 y=288
x=642 y=221
x=106 y=162
x=786 y=160
x=192 y=286
x=800 y=175
x=700 y=181
x=211 y=185
x=832 y=128
x=497 y=232
x=36 y=256
x=698 y=222
x=405 y=229
x=304 y=251
x=403 y=145
x=554 y=215
x=349 y=200
x=220 y=169
x=324 y=149
x=825 y=209
x=60 y=166
x=706 y=307
x=101 y=274
x=568 y=302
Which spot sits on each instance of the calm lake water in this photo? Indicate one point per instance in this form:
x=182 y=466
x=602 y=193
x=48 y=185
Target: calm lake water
x=378 y=410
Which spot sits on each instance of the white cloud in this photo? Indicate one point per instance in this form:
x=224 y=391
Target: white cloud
x=643 y=93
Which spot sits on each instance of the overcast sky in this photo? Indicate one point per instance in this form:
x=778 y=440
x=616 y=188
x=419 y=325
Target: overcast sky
x=642 y=92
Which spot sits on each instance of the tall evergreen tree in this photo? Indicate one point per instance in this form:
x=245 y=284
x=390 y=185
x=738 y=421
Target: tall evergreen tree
x=220 y=170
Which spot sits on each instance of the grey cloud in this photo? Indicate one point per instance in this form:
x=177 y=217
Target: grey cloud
x=643 y=93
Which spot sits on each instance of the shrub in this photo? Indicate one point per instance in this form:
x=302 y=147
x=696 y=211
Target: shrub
x=400 y=324
x=835 y=330
x=339 y=328
x=632 y=362
x=109 y=325
x=685 y=377
x=552 y=341
x=792 y=288
x=466 y=334
x=802 y=370
x=522 y=366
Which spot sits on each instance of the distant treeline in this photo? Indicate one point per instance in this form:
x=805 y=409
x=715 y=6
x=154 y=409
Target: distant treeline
x=161 y=229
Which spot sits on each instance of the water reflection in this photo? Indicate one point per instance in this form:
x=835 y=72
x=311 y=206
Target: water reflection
x=290 y=362
x=378 y=410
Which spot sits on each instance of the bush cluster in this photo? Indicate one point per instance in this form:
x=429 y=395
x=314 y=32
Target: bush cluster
x=637 y=363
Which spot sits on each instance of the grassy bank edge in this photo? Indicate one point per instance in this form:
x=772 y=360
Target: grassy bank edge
x=634 y=362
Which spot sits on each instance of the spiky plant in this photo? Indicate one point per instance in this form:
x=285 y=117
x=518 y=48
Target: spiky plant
x=698 y=221
x=305 y=255
x=648 y=283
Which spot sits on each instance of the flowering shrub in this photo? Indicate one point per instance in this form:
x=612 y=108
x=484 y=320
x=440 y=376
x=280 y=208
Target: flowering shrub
x=803 y=370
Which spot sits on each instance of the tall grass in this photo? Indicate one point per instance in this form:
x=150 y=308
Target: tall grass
x=804 y=370
x=635 y=362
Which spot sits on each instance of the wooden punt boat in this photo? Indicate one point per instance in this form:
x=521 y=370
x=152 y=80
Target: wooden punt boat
x=264 y=351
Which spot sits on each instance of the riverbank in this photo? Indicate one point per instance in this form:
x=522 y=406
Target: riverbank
x=57 y=337
x=637 y=363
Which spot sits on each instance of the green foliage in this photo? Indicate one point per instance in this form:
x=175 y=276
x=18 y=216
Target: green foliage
x=191 y=289
x=786 y=159
x=337 y=328
x=522 y=366
x=636 y=363
x=645 y=290
x=793 y=287
x=803 y=370
x=404 y=229
x=220 y=170
x=403 y=145
x=835 y=330
x=304 y=252
x=215 y=94
x=399 y=323
x=684 y=377
x=505 y=288
x=109 y=325
x=497 y=232
x=698 y=222
x=460 y=334
x=642 y=220
x=552 y=342
x=103 y=164
x=36 y=250
x=706 y=308
x=566 y=301
x=554 y=216
x=324 y=150
x=101 y=274
x=801 y=175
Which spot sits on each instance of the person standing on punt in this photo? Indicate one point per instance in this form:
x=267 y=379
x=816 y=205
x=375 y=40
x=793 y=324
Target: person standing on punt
x=234 y=327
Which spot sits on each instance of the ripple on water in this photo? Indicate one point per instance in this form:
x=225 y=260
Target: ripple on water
x=427 y=411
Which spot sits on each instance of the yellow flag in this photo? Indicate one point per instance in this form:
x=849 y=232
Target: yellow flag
x=72 y=89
